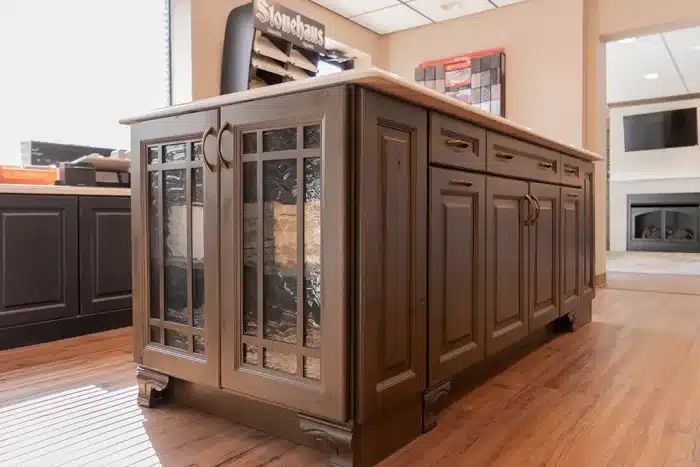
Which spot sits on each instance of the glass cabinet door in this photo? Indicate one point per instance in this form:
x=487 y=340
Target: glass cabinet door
x=179 y=200
x=283 y=249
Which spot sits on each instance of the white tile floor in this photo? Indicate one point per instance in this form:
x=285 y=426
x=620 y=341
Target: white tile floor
x=686 y=264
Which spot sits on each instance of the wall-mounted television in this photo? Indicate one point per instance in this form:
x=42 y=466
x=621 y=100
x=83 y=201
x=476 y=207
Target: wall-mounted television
x=659 y=130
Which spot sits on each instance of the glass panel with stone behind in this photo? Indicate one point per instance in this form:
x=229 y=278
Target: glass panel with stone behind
x=284 y=139
x=198 y=344
x=312 y=136
x=250 y=354
x=198 y=248
x=154 y=243
x=175 y=339
x=280 y=250
x=175 y=153
x=312 y=252
x=647 y=224
x=280 y=361
x=175 y=237
x=250 y=249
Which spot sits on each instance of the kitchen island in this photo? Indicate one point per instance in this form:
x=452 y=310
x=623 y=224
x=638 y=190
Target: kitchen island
x=323 y=259
x=65 y=262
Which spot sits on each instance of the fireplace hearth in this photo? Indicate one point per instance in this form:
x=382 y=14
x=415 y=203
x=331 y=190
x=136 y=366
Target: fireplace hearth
x=663 y=222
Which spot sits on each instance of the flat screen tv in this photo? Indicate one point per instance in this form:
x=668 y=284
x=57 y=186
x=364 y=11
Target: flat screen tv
x=660 y=130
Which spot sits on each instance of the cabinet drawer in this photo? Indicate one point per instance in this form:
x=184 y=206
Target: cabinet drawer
x=509 y=156
x=572 y=170
x=457 y=144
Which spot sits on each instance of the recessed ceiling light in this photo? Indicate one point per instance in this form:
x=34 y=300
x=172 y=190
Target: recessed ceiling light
x=447 y=6
x=627 y=40
x=651 y=76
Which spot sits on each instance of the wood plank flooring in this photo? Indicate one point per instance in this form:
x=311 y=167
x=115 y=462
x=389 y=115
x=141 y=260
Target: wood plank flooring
x=622 y=391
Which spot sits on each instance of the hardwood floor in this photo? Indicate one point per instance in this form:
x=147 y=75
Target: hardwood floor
x=620 y=392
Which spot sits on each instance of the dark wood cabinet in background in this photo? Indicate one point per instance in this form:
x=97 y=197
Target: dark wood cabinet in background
x=391 y=264
x=65 y=266
x=588 y=234
x=457 y=272
x=105 y=259
x=38 y=258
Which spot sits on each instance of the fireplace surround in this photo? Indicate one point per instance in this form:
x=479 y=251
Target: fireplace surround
x=663 y=222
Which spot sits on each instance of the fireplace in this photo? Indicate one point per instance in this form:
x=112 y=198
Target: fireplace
x=665 y=222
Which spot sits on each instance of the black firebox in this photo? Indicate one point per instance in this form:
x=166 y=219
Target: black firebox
x=663 y=222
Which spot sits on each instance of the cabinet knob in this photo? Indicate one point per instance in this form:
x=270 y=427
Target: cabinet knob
x=208 y=132
x=457 y=143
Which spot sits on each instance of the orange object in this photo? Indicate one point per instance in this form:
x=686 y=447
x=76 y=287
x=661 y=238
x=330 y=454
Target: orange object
x=28 y=176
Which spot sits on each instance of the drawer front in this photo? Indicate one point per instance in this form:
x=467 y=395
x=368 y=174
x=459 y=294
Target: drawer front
x=572 y=171
x=457 y=144
x=515 y=158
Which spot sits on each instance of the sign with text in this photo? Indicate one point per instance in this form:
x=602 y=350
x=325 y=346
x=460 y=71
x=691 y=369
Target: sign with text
x=289 y=25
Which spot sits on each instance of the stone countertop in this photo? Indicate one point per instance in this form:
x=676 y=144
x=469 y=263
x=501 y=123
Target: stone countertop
x=387 y=83
x=10 y=188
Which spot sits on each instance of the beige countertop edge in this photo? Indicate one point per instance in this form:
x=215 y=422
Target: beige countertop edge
x=62 y=190
x=384 y=82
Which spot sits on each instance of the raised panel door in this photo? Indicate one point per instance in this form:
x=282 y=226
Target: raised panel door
x=175 y=246
x=457 y=276
x=544 y=232
x=572 y=235
x=283 y=250
x=589 y=233
x=507 y=254
x=390 y=208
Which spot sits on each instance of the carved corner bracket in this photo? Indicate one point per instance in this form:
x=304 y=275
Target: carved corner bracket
x=331 y=437
x=434 y=400
x=151 y=386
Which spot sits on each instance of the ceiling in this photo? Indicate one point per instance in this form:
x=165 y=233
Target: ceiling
x=387 y=16
x=648 y=67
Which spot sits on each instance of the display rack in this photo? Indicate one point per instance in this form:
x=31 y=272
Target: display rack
x=262 y=48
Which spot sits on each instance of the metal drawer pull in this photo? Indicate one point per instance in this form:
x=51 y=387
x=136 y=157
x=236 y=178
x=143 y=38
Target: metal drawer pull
x=458 y=143
x=571 y=171
x=545 y=165
x=531 y=211
x=573 y=195
x=537 y=212
x=460 y=182
x=507 y=157
x=224 y=127
x=208 y=132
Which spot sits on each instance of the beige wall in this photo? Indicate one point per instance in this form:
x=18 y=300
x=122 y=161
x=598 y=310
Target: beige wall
x=209 y=25
x=543 y=40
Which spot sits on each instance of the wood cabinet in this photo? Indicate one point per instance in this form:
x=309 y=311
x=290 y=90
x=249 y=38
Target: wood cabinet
x=105 y=259
x=457 y=272
x=391 y=201
x=39 y=259
x=322 y=264
x=175 y=237
x=588 y=234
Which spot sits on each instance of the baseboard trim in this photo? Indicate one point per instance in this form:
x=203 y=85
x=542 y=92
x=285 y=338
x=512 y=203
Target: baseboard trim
x=600 y=280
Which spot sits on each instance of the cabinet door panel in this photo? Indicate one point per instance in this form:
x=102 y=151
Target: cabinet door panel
x=544 y=256
x=175 y=227
x=457 y=279
x=105 y=254
x=283 y=251
x=571 y=249
x=39 y=258
x=507 y=271
x=391 y=211
x=589 y=233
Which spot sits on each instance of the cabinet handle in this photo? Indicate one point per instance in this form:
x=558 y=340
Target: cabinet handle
x=507 y=157
x=530 y=212
x=222 y=130
x=458 y=143
x=572 y=194
x=537 y=212
x=460 y=182
x=208 y=132
x=545 y=165
x=570 y=171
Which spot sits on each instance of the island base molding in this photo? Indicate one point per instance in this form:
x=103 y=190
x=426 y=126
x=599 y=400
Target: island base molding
x=349 y=445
